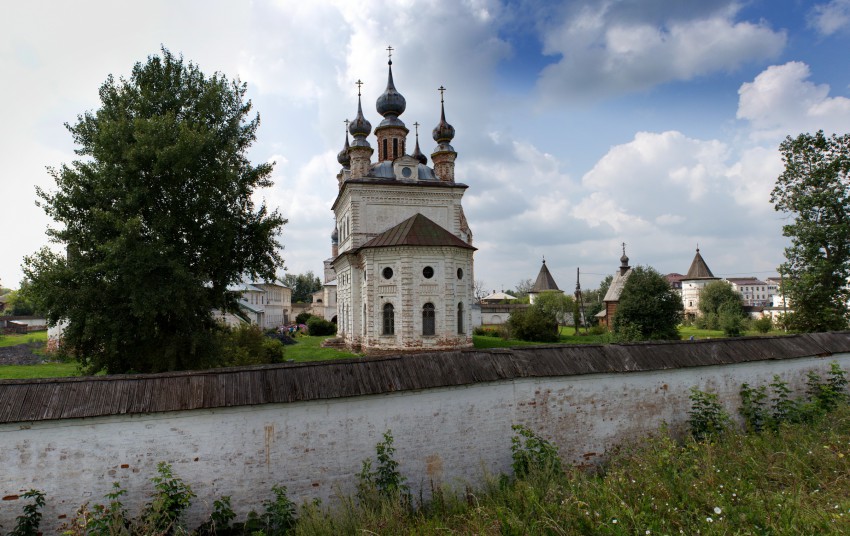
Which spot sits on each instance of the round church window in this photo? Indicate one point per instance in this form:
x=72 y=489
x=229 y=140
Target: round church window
x=387 y=272
x=460 y=273
x=428 y=272
x=406 y=172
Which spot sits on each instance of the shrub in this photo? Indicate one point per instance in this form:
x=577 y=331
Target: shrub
x=730 y=319
x=533 y=324
x=278 y=517
x=706 y=418
x=302 y=318
x=320 y=326
x=247 y=345
x=219 y=521
x=27 y=524
x=754 y=407
x=385 y=482
x=533 y=454
x=171 y=498
x=763 y=324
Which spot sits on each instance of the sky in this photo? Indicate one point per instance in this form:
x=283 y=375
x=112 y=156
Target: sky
x=580 y=125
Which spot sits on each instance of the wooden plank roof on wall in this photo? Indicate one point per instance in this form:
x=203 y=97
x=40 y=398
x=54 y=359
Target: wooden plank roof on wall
x=63 y=398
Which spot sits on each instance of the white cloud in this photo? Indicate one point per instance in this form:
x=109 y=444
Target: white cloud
x=782 y=101
x=831 y=17
x=606 y=54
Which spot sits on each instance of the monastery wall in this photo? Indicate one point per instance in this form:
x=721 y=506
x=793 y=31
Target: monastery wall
x=309 y=427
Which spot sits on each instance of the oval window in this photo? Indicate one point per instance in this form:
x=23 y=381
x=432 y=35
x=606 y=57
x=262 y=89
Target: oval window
x=428 y=272
x=387 y=272
x=406 y=172
x=460 y=273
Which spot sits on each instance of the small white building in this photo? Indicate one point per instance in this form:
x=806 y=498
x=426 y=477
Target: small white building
x=268 y=305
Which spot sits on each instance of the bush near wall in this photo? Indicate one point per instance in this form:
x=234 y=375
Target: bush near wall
x=320 y=326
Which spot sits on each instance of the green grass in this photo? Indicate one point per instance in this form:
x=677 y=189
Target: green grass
x=44 y=370
x=16 y=339
x=308 y=349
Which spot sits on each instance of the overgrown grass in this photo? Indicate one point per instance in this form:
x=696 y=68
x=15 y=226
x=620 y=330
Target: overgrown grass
x=793 y=481
x=23 y=338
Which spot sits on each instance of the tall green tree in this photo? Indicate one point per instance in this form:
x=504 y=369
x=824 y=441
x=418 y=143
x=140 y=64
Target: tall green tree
x=303 y=286
x=814 y=189
x=19 y=302
x=649 y=309
x=157 y=219
x=555 y=304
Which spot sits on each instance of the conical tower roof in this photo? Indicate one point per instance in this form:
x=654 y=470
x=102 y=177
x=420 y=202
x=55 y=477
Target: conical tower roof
x=699 y=269
x=545 y=281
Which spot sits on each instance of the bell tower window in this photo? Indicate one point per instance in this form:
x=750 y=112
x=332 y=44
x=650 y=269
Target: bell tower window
x=395 y=148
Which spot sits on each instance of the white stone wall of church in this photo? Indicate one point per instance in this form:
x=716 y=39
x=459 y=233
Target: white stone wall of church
x=448 y=435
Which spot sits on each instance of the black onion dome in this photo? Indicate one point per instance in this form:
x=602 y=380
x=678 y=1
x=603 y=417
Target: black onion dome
x=391 y=101
x=335 y=236
x=360 y=127
x=417 y=154
x=343 y=157
x=443 y=132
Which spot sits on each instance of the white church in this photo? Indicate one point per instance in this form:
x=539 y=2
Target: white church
x=401 y=248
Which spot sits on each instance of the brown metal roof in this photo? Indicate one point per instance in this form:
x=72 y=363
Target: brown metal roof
x=545 y=281
x=699 y=269
x=36 y=400
x=416 y=231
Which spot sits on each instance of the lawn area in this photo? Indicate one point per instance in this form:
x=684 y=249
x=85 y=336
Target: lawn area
x=16 y=339
x=309 y=349
x=44 y=370
x=568 y=336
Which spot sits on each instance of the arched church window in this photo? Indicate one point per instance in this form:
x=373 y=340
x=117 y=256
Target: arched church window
x=395 y=148
x=386 y=152
x=460 y=273
x=389 y=319
x=428 y=272
x=460 y=330
x=428 y=319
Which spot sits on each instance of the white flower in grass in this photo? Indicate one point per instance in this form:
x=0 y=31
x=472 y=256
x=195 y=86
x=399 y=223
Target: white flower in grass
x=717 y=510
x=709 y=520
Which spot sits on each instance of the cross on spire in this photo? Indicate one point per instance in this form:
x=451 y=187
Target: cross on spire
x=441 y=89
x=358 y=84
x=346 y=124
x=390 y=53
x=416 y=124
x=624 y=248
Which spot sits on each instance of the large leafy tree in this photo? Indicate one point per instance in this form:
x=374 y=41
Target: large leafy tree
x=303 y=286
x=721 y=308
x=814 y=189
x=649 y=309
x=157 y=219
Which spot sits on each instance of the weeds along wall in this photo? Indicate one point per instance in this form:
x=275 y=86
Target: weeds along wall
x=310 y=426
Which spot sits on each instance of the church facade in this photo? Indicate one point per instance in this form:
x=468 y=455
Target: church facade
x=402 y=252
